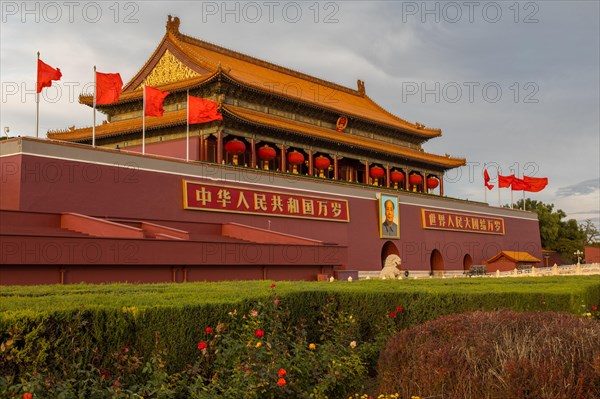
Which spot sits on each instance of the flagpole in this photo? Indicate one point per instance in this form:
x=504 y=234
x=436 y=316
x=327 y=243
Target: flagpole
x=187 y=122
x=94 y=106
x=144 y=121
x=37 y=100
x=511 y=197
x=485 y=189
x=499 y=203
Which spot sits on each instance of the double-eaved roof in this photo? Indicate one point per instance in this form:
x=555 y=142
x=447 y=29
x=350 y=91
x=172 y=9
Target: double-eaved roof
x=197 y=62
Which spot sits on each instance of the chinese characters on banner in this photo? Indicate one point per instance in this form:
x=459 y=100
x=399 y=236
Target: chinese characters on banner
x=455 y=221
x=220 y=198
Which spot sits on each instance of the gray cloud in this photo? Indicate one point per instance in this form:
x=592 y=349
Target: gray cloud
x=581 y=188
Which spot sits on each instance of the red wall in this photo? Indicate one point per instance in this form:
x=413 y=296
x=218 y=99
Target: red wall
x=171 y=148
x=126 y=191
x=10 y=181
x=592 y=255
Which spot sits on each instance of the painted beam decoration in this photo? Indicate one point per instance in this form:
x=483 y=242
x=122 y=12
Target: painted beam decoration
x=457 y=221
x=231 y=199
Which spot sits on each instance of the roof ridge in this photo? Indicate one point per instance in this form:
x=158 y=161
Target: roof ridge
x=173 y=29
x=415 y=125
x=140 y=71
x=256 y=61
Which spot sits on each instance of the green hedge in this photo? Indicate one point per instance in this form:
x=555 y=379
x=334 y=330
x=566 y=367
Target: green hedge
x=41 y=327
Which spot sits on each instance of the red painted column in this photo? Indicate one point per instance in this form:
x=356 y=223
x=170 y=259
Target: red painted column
x=387 y=175
x=283 y=160
x=442 y=185
x=220 y=147
x=406 y=183
x=310 y=162
x=335 y=167
x=200 y=147
x=366 y=179
x=253 y=153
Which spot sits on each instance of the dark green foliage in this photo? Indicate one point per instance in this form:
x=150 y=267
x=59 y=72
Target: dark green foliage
x=563 y=236
x=74 y=333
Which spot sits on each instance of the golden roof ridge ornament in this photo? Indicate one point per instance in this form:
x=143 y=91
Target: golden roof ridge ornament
x=361 y=87
x=173 y=25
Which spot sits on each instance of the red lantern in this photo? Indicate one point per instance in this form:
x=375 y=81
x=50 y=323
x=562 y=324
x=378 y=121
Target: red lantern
x=396 y=177
x=295 y=158
x=415 y=179
x=266 y=154
x=376 y=172
x=235 y=147
x=432 y=183
x=321 y=163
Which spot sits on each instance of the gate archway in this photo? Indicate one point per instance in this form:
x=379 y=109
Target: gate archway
x=467 y=262
x=436 y=262
x=389 y=248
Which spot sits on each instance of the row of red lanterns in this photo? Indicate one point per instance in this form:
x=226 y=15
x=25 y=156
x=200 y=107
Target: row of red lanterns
x=377 y=172
x=266 y=154
x=295 y=158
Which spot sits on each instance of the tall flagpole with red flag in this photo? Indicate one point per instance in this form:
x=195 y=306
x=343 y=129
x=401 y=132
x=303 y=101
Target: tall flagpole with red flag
x=523 y=188
x=37 y=101
x=94 y=107
x=45 y=75
x=499 y=203
x=511 y=198
x=485 y=189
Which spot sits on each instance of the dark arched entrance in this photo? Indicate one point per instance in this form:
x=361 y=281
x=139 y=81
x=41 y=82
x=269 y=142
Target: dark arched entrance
x=437 y=262
x=467 y=262
x=389 y=248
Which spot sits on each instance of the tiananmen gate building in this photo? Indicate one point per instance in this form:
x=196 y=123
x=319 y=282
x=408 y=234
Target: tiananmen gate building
x=299 y=178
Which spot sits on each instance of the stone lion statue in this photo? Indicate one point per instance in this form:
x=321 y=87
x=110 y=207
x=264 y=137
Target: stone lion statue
x=390 y=267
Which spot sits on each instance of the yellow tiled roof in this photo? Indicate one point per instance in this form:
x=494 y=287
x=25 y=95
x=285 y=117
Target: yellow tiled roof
x=261 y=75
x=515 y=256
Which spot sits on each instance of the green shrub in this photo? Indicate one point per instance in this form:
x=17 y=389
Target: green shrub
x=265 y=354
x=68 y=336
x=495 y=355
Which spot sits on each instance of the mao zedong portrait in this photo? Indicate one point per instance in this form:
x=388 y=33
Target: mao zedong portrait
x=388 y=227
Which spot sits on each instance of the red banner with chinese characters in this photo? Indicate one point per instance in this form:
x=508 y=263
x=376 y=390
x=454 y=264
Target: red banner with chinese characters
x=222 y=198
x=455 y=221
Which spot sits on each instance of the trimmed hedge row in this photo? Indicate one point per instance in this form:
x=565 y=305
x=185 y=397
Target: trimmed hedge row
x=42 y=328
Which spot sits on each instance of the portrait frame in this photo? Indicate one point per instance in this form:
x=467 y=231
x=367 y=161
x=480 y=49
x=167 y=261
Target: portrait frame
x=387 y=231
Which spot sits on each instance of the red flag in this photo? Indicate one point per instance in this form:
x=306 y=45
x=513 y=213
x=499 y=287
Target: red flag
x=45 y=75
x=108 y=87
x=486 y=180
x=202 y=110
x=154 y=101
x=518 y=184
x=505 y=181
x=535 y=184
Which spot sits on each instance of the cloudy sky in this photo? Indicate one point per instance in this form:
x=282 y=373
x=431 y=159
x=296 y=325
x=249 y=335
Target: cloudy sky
x=514 y=85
